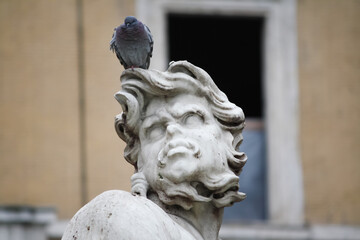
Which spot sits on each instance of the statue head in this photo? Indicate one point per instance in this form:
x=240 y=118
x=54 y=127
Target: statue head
x=182 y=134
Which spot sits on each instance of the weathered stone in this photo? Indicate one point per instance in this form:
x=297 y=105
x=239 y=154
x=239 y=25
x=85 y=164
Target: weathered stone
x=181 y=134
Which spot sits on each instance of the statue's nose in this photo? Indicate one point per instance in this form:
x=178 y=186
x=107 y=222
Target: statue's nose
x=173 y=129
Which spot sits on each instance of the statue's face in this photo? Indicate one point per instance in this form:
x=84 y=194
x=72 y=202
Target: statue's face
x=184 y=152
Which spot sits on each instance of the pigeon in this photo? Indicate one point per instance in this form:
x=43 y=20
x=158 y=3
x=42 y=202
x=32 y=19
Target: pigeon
x=133 y=44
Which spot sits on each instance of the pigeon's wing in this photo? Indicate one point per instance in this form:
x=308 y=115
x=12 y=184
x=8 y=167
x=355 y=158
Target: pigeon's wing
x=151 y=41
x=147 y=30
x=113 y=47
x=112 y=42
x=151 y=44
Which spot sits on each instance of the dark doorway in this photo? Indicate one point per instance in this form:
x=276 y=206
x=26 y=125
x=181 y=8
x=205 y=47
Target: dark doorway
x=229 y=48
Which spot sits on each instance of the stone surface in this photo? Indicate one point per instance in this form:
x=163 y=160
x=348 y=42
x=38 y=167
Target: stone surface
x=181 y=134
x=121 y=215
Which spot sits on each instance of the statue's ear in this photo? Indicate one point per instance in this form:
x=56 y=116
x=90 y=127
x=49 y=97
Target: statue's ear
x=126 y=124
x=120 y=119
x=131 y=111
x=119 y=126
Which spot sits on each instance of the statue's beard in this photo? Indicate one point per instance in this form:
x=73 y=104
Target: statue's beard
x=183 y=178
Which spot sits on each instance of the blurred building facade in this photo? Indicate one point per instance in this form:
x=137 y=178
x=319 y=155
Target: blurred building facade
x=58 y=146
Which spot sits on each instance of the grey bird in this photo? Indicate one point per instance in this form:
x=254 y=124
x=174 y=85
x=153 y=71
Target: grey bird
x=133 y=44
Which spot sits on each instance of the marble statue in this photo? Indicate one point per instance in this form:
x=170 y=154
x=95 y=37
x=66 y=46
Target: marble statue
x=182 y=134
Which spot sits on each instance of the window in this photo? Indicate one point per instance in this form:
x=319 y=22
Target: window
x=229 y=48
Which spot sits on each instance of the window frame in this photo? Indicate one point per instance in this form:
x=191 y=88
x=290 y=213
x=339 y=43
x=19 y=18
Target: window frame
x=280 y=78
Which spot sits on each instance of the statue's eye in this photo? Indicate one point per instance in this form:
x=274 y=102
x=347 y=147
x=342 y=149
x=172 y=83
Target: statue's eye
x=193 y=119
x=155 y=131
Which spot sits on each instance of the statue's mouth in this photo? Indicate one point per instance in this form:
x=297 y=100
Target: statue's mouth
x=222 y=197
x=178 y=147
x=201 y=189
x=222 y=194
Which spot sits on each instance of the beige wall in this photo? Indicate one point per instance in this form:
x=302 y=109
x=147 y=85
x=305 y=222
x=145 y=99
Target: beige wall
x=329 y=75
x=40 y=143
x=106 y=167
x=39 y=110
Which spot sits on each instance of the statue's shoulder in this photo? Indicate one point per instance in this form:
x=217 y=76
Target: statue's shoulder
x=117 y=215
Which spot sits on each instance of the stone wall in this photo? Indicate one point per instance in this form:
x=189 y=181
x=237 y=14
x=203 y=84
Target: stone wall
x=52 y=147
x=329 y=79
x=42 y=146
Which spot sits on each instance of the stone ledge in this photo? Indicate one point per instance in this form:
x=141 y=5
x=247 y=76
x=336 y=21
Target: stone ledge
x=261 y=232
x=13 y=214
x=277 y=232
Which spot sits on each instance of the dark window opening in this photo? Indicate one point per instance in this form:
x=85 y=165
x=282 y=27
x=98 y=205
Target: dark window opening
x=229 y=48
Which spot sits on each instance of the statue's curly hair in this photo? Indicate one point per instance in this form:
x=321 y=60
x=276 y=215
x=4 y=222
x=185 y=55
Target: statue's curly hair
x=181 y=77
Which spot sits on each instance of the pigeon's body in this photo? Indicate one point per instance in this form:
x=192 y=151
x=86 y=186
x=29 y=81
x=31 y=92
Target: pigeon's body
x=132 y=42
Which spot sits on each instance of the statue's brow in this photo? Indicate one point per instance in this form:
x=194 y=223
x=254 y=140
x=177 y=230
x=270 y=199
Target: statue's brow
x=154 y=118
x=178 y=113
x=173 y=113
